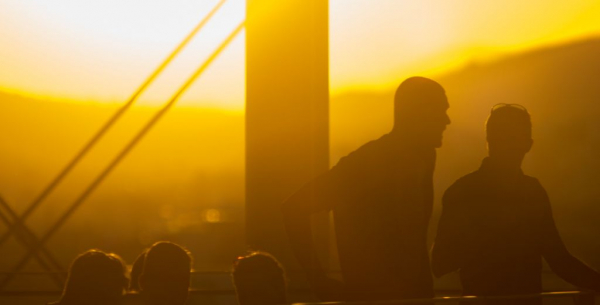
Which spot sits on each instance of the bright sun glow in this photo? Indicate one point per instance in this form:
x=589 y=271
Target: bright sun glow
x=100 y=51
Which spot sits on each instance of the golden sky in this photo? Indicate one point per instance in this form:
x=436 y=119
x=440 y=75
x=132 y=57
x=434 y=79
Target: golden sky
x=100 y=51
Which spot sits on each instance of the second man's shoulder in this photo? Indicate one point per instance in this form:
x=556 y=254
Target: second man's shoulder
x=465 y=181
x=535 y=185
x=464 y=185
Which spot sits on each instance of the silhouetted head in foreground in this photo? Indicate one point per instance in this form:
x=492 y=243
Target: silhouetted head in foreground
x=420 y=106
x=95 y=277
x=165 y=278
x=136 y=271
x=259 y=279
x=508 y=130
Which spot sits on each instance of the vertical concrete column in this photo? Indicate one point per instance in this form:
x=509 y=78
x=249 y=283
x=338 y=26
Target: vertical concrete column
x=287 y=113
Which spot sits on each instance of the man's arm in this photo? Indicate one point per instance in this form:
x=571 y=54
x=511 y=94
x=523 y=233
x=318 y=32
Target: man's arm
x=321 y=194
x=558 y=257
x=297 y=210
x=451 y=239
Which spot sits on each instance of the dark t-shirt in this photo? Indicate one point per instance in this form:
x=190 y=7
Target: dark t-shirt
x=495 y=228
x=381 y=196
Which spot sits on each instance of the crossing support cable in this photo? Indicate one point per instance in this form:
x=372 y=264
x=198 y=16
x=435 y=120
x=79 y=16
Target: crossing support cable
x=20 y=221
x=26 y=237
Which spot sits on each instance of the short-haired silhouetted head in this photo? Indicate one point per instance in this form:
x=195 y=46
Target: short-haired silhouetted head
x=508 y=130
x=420 y=106
x=259 y=279
x=165 y=278
x=95 y=277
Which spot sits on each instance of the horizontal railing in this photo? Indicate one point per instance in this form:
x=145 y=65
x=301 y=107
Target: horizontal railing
x=48 y=293
x=579 y=297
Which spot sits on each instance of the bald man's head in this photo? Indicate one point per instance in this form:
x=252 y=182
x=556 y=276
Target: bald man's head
x=420 y=106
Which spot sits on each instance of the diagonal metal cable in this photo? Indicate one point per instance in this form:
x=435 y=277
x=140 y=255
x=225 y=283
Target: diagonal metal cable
x=134 y=141
x=102 y=131
x=57 y=278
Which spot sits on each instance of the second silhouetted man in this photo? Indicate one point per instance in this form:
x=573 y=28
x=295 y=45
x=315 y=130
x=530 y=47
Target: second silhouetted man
x=497 y=224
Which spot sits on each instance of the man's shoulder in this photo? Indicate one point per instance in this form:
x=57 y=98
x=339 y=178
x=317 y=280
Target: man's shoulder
x=533 y=181
x=467 y=180
x=462 y=187
x=534 y=185
x=384 y=142
x=372 y=149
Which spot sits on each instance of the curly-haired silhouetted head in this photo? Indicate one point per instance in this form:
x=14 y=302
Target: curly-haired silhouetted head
x=259 y=279
x=95 y=277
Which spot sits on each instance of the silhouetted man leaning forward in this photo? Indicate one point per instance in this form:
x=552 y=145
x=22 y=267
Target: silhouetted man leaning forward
x=381 y=196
